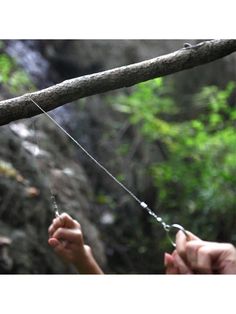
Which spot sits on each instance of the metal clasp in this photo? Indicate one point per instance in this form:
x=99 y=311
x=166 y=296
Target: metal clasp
x=176 y=228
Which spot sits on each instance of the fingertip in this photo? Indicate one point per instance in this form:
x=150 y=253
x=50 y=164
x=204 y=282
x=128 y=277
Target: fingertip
x=53 y=242
x=180 y=235
x=65 y=216
x=168 y=259
x=68 y=221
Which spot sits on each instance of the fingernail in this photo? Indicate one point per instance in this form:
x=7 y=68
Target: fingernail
x=52 y=243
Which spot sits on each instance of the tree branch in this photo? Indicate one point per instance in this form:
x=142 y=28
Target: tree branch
x=73 y=89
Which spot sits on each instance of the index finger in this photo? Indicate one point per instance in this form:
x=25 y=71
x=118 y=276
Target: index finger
x=63 y=220
x=181 y=240
x=56 y=223
x=68 y=221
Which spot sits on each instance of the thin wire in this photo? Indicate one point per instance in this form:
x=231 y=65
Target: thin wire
x=165 y=226
x=87 y=153
x=55 y=207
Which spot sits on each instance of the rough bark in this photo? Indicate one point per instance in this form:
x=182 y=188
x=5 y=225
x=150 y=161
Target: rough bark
x=73 y=89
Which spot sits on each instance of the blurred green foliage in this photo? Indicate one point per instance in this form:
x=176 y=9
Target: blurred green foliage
x=14 y=79
x=196 y=181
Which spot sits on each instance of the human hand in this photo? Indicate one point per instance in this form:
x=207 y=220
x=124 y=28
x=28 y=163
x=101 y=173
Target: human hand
x=195 y=256
x=65 y=236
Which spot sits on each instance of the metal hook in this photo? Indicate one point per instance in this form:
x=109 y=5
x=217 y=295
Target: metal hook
x=173 y=227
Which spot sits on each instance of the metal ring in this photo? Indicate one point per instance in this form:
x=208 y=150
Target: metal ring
x=178 y=227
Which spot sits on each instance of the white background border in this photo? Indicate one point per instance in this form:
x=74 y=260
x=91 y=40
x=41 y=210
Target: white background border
x=117 y=20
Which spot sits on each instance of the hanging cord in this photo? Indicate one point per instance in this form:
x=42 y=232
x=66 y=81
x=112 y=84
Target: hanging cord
x=167 y=228
x=55 y=207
